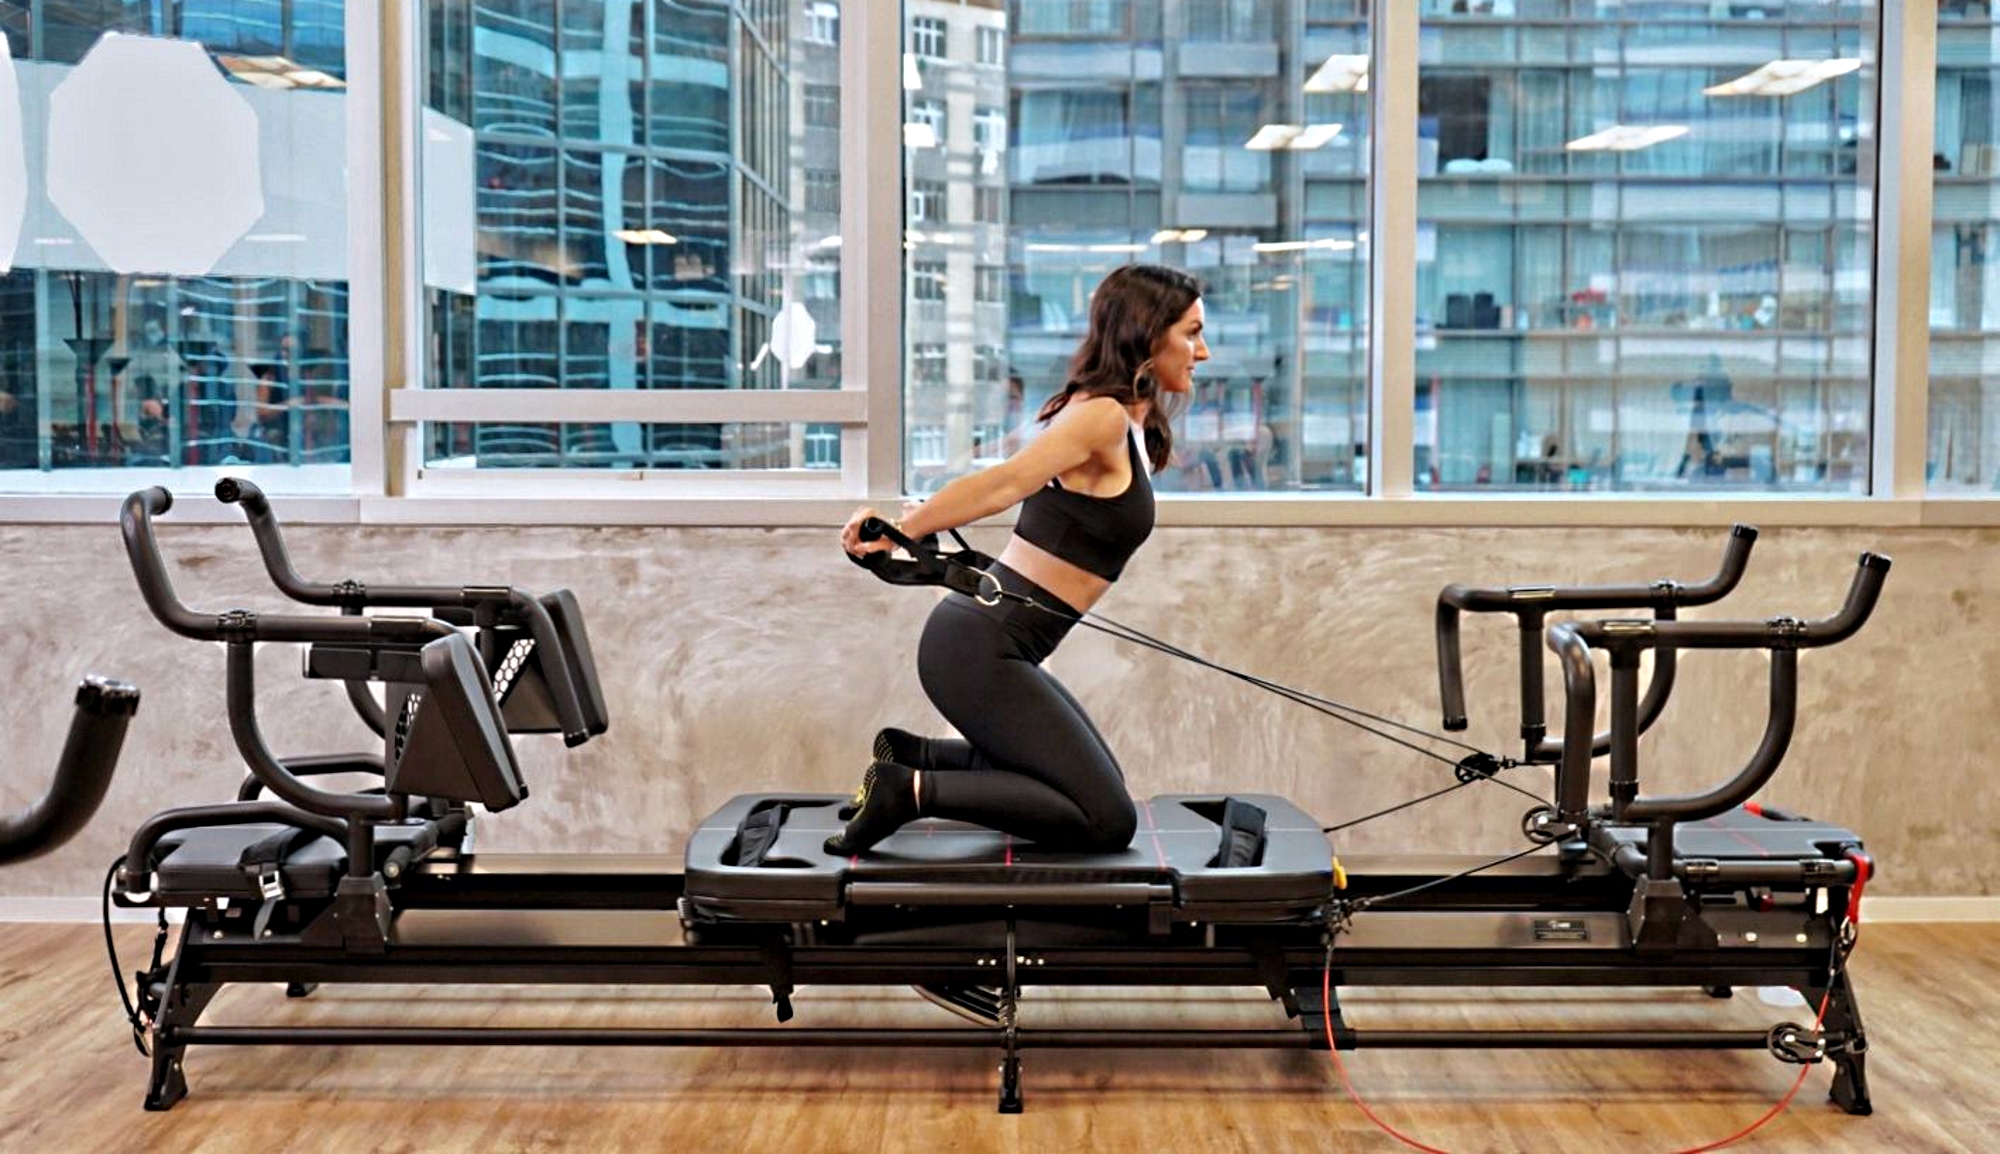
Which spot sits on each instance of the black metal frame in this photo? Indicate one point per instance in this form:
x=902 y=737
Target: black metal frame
x=584 y=921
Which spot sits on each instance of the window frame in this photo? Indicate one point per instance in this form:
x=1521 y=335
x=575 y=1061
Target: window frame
x=388 y=483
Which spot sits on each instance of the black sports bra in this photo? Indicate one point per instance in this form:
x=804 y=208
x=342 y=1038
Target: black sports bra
x=1098 y=534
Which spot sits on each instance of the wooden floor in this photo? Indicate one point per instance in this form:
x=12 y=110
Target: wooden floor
x=70 y=1080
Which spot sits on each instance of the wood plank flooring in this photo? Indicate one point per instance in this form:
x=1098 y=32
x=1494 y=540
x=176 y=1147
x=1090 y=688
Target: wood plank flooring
x=70 y=1080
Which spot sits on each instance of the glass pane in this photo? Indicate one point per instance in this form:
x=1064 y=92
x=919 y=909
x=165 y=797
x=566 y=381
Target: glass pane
x=1079 y=136
x=1644 y=246
x=628 y=196
x=1965 y=316
x=206 y=325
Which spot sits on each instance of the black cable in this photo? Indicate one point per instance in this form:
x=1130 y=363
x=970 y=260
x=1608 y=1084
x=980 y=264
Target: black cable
x=1370 y=902
x=118 y=972
x=1320 y=705
x=1452 y=788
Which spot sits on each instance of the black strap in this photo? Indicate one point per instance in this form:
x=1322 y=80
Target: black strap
x=263 y=859
x=1242 y=836
x=756 y=834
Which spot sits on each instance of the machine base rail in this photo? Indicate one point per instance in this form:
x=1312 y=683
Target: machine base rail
x=1025 y=1039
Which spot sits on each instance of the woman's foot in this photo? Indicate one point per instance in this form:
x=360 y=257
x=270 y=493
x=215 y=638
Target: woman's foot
x=899 y=746
x=888 y=802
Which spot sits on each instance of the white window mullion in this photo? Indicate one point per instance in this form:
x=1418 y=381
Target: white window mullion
x=366 y=251
x=1392 y=249
x=871 y=229
x=1903 y=131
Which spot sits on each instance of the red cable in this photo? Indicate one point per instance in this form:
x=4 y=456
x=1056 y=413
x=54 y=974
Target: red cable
x=1864 y=868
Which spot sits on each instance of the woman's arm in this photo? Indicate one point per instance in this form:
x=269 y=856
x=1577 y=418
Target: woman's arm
x=1083 y=429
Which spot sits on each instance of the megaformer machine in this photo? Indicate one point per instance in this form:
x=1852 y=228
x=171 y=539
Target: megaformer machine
x=299 y=884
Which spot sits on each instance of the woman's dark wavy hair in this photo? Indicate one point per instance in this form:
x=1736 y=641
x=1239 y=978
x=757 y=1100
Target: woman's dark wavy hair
x=1131 y=310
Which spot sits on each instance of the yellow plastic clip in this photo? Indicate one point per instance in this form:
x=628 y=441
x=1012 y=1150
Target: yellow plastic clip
x=1339 y=874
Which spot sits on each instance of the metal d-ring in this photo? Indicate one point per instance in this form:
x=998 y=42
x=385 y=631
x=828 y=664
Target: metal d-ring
x=998 y=592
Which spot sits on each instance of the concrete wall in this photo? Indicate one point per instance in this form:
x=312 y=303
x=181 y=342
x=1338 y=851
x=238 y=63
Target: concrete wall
x=741 y=660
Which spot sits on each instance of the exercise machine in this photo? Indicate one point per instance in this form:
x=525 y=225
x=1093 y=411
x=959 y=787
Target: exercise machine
x=1217 y=890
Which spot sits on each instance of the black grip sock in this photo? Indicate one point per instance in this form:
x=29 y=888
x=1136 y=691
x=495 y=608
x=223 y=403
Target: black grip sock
x=890 y=803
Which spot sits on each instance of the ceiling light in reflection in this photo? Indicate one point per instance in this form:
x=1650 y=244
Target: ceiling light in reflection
x=1627 y=137
x=1326 y=244
x=1340 y=74
x=276 y=72
x=1784 y=77
x=1179 y=235
x=1293 y=137
x=646 y=236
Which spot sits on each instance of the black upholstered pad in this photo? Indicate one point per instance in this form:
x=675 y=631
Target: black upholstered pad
x=1178 y=836
x=203 y=862
x=1741 y=835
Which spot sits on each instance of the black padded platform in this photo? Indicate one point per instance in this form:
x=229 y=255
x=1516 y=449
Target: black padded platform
x=1744 y=835
x=204 y=862
x=1167 y=865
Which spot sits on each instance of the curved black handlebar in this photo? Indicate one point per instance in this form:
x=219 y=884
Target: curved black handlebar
x=1624 y=640
x=89 y=758
x=352 y=597
x=1530 y=606
x=143 y=549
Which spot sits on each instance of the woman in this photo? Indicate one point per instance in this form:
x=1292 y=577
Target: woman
x=1030 y=762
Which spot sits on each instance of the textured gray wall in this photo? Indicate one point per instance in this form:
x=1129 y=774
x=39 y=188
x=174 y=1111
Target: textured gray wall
x=741 y=660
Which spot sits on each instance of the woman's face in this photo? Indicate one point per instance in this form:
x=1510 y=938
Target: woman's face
x=1180 y=349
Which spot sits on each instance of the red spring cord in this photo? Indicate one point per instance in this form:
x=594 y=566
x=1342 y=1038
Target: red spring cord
x=1864 y=869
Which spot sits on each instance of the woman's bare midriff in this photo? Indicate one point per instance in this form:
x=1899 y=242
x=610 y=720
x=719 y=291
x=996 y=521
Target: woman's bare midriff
x=1078 y=588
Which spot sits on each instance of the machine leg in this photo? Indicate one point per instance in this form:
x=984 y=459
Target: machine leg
x=1847 y=1045
x=1719 y=991
x=182 y=1007
x=1010 y=1035
x=1010 y=1081
x=300 y=989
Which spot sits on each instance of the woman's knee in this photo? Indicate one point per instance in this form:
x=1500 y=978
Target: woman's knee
x=1110 y=826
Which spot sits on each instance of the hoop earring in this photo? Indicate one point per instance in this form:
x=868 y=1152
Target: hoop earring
x=1145 y=373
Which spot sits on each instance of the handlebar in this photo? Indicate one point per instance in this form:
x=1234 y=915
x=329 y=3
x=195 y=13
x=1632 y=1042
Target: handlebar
x=89 y=758
x=352 y=596
x=150 y=569
x=1530 y=606
x=1625 y=640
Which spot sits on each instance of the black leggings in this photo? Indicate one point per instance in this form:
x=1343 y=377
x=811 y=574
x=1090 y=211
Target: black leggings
x=1030 y=763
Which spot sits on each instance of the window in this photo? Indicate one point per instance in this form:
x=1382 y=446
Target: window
x=822 y=22
x=989 y=205
x=632 y=211
x=927 y=280
x=230 y=347
x=930 y=114
x=991 y=284
x=992 y=45
x=989 y=130
x=822 y=447
x=822 y=105
x=928 y=363
x=927 y=445
x=927 y=37
x=822 y=190
x=927 y=201
x=1700 y=317
x=1964 y=442
x=1071 y=178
